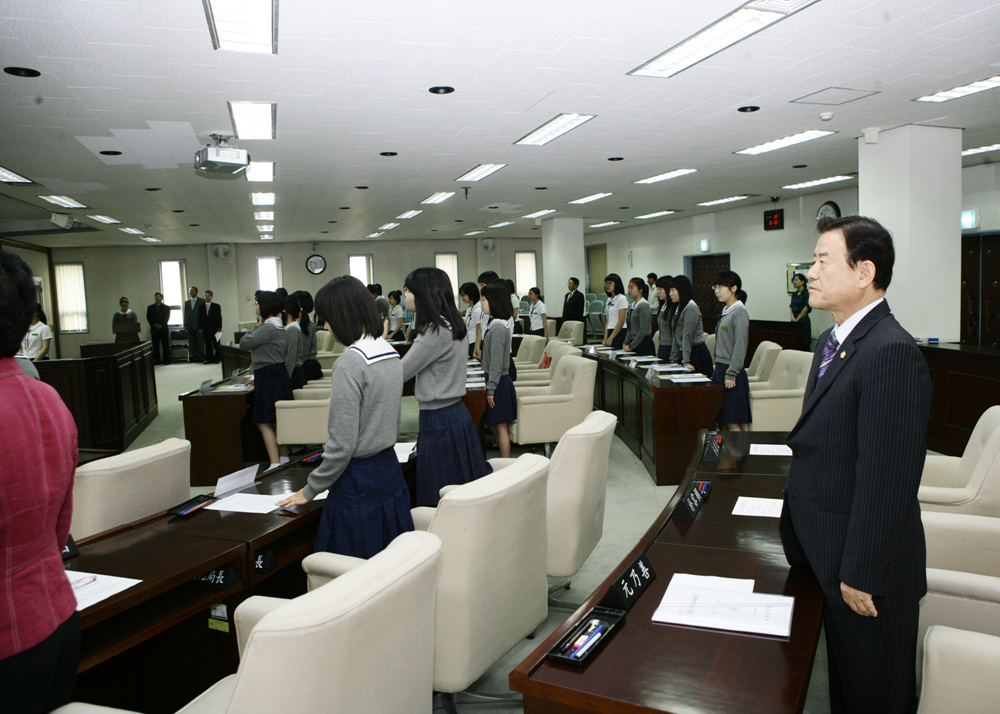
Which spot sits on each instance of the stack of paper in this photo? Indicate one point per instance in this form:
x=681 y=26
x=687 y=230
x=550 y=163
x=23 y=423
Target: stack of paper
x=724 y=604
x=246 y=503
x=91 y=588
x=668 y=367
x=645 y=359
x=770 y=450
x=689 y=378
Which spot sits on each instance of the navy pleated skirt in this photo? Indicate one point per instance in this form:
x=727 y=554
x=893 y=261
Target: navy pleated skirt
x=366 y=508
x=448 y=452
x=664 y=353
x=701 y=358
x=298 y=377
x=270 y=384
x=646 y=348
x=505 y=401
x=312 y=368
x=735 y=401
x=618 y=341
x=540 y=332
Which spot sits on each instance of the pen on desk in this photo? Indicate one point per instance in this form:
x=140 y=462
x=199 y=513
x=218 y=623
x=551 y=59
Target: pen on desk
x=84 y=581
x=589 y=643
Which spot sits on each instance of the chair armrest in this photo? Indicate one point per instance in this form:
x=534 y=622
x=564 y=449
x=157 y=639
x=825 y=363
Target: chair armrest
x=960 y=671
x=962 y=542
x=499 y=463
x=944 y=496
x=777 y=394
x=529 y=391
x=547 y=399
x=940 y=470
x=446 y=489
x=249 y=613
x=321 y=568
x=422 y=517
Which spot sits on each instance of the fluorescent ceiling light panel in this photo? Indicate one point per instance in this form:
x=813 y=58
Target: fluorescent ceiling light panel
x=717 y=201
x=266 y=236
x=474 y=233
x=786 y=141
x=8 y=176
x=133 y=231
x=260 y=171
x=501 y=225
x=439 y=197
x=604 y=225
x=963 y=91
x=539 y=214
x=592 y=197
x=554 y=128
x=265 y=228
x=388 y=226
x=253 y=120
x=63 y=201
x=409 y=214
x=819 y=182
x=263 y=215
x=262 y=199
x=480 y=172
x=373 y=235
x=981 y=150
x=752 y=17
x=243 y=25
x=151 y=239
x=654 y=215
x=667 y=176
x=104 y=219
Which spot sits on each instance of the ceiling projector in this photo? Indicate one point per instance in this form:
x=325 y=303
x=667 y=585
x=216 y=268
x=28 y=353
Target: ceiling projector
x=221 y=161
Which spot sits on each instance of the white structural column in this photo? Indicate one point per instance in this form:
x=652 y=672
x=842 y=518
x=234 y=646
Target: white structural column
x=563 y=257
x=911 y=182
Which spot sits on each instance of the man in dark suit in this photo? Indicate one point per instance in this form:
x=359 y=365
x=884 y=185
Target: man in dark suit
x=851 y=511
x=211 y=324
x=194 y=315
x=158 y=317
x=575 y=303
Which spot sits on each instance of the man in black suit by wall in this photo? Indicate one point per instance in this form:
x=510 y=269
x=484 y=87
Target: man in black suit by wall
x=575 y=303
x=851 y=511
x=158 y=317
x=210 y=324
x=194 y=315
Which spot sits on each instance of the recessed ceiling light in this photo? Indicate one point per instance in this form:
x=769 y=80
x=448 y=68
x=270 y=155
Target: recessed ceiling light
x=260 y=171
x=265 y=227
x=155 y=188
x=554 y=128
x=801 y=166
x=654 y=215
x=253 y=120
x=104 y=219
x=592 y=197
x=388 y=153
x=151 y=239
x=439 y=197
x=345 y=208
x=750 y=18
x=193 y=225
x=22 y=71
x=728 y=199
x=373 y=235
x=748 y=109
x=111 y=152
x=63 y=201
x=331 y=221
x=819 y=182
x=361 y=188
x=262 y=199
x=441 y=90
x=493 y=208
x=963 y=91
x=616 y=158
x=263 y=215
x=178 y=210
x=624 y=208
x=266 y=236
x=541 y=188
x=784 y=142
x=474 y=233
x=605 y=224
x=539 y=214
x=324 y=231
x=981 y=150
x=459 y=220
x=388 y=226
x=243 y=25
x=501 y=225
x=133 y=231
x=667 y=176
x=480 y=172
x=8 y=176
x=409 y=214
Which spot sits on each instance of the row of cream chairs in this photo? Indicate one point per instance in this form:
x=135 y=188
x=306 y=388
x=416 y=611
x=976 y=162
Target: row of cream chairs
x=437 y=608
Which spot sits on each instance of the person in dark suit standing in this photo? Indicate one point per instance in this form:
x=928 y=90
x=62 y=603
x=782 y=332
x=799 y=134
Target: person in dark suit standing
x=194 y=316
x=575 y=303
x=850 y=510
x=211 y=324
x=158 y=317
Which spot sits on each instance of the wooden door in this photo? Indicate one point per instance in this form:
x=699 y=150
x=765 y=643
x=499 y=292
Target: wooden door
x=597 y=268
x=704 y=268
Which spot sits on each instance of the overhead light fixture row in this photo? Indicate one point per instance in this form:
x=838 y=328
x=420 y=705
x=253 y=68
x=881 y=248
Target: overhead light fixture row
x=262 y=199
x=605 y=224
x=260 y=171
x=539 y=214
x=265 y=228
x=439 y=197
x=981 y=150
x=388 y=226
x=151 y=239
x=373 y=235
x=554 y=128
x=667 y=176
x=784 y=142
x=243 y=25
x=592 y=197
x=728 y=199
x=654 y=215
x=266 y=236
x=63 y=201
x=8 y=176
x=103 y=219
x=474 y=233
x=253 y=120
x=409 y=214
x=502 y=224
x=480 y=172
x=263 y=215
x=818 y=182
x=133 y=231
x=963 y=91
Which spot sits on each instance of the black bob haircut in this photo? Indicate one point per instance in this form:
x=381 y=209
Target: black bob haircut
x=498 y=296
x=615 y=278
x=270 y=304
x=17 y=302
x=434 y=302
x=488 y=276
x=641 y=284
x=349 y=310
x=471 y=291
x=866 y=239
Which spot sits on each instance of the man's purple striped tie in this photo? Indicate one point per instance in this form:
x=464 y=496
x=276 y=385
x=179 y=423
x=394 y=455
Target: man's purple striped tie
x=829 y=350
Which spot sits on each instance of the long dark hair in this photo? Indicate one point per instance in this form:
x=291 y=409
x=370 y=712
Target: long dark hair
x=434 y=302
x=732 y=280
x=306 y=304
x=668 y=307
x=349 y=310
x=497 y=294
x=619 y=288
x=686 y=293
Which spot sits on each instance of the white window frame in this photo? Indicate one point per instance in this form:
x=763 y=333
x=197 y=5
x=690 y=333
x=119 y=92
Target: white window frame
x=369 y=276
x=450 y=267
x=278 y=271
x=176 y=310
x=525 y=279
x=79 y=314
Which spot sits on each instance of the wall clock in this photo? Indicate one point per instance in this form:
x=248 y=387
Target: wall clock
x=315 y=264
x=828 y=210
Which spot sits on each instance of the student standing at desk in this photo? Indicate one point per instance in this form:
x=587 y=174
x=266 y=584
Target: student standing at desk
x=614 y=326
x=689 y=336
x=310 y=365
x=298 y=343
x=448 y=449
x=501 y=400
x=539 y=323
x=665 y=313
x=732 y=336
x=368 y=504
x=473 y=313
x=639 y=335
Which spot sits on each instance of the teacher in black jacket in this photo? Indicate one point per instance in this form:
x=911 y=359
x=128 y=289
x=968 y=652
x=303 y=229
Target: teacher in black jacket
x=575 y=303
x=851 y=511
x=210 y=325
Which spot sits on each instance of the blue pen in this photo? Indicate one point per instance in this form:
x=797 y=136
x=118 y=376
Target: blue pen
x=586 y=645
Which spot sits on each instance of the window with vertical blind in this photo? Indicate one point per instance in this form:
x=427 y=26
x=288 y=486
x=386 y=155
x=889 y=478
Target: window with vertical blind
x=525 y=271
x=173 y=285
x=71 y=294
x=448 y=262
x=361 y=267
x=268 y=273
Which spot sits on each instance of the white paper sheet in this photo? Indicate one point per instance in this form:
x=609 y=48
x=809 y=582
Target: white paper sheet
x=235 y=481
x=668 y=367
x=404 y=449
x=716 y=604
x=91 y=588
x=231 y=388
x=750 y=506
x=603 y=349
x=644 y=359
x=770 y=450
x=246 y=503
x=688 y=378
x=475 y=385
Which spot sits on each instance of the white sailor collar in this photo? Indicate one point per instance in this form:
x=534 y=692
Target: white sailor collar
x=374 y=349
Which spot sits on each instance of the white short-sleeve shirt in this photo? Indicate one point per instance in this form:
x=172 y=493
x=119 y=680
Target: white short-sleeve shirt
x=32 y=343
x=537 y=310
x=618 y=302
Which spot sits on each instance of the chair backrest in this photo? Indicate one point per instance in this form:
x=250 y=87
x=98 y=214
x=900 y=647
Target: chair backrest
x=790 y=371
x=120 y=489
x=570 y=375
x=603 y=298
x=710 y=344
x=524 y=307
x=362 y=642
x=590 y=297
x=249 y=325
x=492 y=589
x=578 y=479
x=324 y=340
x=551 y=323
x=561 y=350
x=596 y=307
x=983 y=440
x=531 y=350
x=763 y=360
x=571 y=330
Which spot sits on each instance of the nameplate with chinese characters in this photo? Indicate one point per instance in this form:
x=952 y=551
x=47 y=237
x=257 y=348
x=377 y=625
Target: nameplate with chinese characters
x=220 y=578
x=630 y=584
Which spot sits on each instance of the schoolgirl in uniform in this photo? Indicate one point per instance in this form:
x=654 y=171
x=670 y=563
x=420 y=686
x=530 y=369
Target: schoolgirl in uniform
x=639 y=337
x=268 y=347
x=732 y=335
x=448 y=448
x=689 y=337
x=310 y=365
x=614 y=325
x=473 y=313
x=515 y=306
x=395 y=315
x=298 y=343
x=501 y=399
x=664 y=314
x=538 y=318
x=369 y=503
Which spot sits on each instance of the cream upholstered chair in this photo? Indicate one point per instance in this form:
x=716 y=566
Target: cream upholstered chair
x=313 y=391
x=777 y=403
x=963 y=573
x=710 y=344
x=361 y=643
x=970 y=483
x=762 y=361
x=541 y=377
x=302 y=421
x=530 y=353
x=544 y=414
x=120 y=489
x=246 y=325
x=961 y=672
x=571 y=331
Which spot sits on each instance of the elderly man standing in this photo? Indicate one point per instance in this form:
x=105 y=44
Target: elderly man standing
x=194 y=316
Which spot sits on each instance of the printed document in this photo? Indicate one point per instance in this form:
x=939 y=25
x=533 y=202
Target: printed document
x=245 y=503
x=724 y=604
x=750 y=506
x=770 y=450
x=91 y=588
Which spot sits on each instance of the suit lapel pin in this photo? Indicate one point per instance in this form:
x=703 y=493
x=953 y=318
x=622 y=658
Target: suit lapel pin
x=843 y=354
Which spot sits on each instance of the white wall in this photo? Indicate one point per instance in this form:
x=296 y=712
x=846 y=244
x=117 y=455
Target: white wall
x=981 y=189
